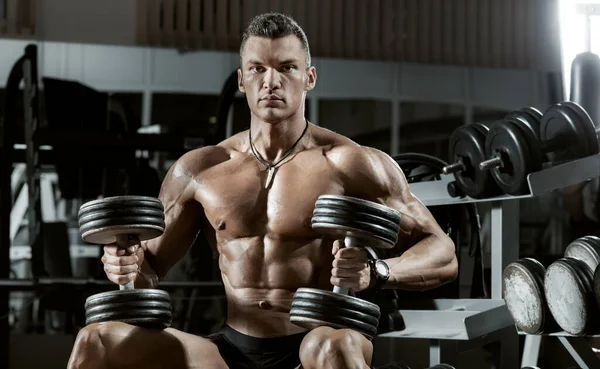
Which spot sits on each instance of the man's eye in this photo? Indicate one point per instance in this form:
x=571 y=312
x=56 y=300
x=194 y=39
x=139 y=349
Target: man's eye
x=288 y=68
x=257 y=69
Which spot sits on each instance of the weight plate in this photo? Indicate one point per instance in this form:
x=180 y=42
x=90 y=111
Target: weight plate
x=531 y=117
x=120 y=202
x=358 y=216
x=596 y=286
x=146 y=317
x=120 y=213
x=338 y=232
x=585 y=250
x=310 y=320
x=523 y=288
x=569 y=293
x=588 y=126
x=125 y=296
x=324 y=297
x=467 y=145
x=532 y=140
x=563 y=126
x=376 y=230
x=328 y=309
x=132 y=305
x=356 y=204
x=508 y=140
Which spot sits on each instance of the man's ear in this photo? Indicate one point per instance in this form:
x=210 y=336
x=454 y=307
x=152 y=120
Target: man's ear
x=311 y=81
x=240 y=81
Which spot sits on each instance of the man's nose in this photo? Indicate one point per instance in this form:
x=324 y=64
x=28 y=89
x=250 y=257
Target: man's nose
x=272 y=79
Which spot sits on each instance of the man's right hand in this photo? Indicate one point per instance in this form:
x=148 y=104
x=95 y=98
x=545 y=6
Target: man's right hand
x=122 y=265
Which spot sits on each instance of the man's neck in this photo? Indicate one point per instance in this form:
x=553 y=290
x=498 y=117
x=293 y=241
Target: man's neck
x=272 y=141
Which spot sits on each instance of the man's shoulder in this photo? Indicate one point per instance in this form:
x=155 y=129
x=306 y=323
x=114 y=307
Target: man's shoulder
x=198 y=160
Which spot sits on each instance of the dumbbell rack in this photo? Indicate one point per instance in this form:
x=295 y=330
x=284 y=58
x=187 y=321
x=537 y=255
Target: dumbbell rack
x=454 y=326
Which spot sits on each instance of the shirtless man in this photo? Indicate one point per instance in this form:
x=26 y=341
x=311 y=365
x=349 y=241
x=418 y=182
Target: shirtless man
x=260 y=226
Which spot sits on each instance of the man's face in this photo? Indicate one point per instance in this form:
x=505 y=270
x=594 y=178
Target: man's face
x=274 y=77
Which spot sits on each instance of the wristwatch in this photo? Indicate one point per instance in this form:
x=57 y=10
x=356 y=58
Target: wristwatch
x=380 y=271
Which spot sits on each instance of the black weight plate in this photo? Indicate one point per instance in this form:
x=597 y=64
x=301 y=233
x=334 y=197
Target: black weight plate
x=508 y=140
x=327 y=309
x=119 y=202
x=105 y=231
x=585 y=250
x=523 y=290
x=330 y=303
x=120 y=213
x=367 y=228
x=562 y=125
x=588 y=126
x=569 y=294
x=358 y=216
x=126 y=296
x=531 y=117
x=132 y=305
x=360 y=205
x=329 y=297
x=467 y=144
x=310 y=320
x=158 y=318
x=118 y=221
x=352 y=221
x=532 y=140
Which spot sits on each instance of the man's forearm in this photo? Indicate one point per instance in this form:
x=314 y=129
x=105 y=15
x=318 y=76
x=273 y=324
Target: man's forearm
x=428 y=264
x=147 y=277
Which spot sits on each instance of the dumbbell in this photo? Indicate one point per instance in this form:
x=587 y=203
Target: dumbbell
x=523 y=294
x=566 y=133
x=467 y=150
x=117 y=220
x=359 y=223
x=569 y=287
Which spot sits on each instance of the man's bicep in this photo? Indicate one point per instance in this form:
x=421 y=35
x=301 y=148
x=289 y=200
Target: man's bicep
x=183 y=220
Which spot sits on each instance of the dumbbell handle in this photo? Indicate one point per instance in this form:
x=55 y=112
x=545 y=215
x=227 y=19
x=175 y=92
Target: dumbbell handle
x=123 y=242
x=454 y=168
x=493 y=162
x=348 y=242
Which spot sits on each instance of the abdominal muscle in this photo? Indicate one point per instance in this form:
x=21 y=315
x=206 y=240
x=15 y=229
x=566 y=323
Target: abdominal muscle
x=260 y=276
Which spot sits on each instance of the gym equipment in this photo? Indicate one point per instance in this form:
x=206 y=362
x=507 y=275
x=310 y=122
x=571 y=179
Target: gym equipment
x=467 y=150
x=566 y=133
x=568 y=285
x=585 y=83
x=586 y=249
x=117 y=220
x=358 y=222
x=523 y=286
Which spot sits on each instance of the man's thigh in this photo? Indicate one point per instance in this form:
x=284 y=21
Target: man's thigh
x=121 y=345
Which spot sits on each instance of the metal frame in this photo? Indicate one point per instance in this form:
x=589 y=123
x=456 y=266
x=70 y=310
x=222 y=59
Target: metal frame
x=504 y=239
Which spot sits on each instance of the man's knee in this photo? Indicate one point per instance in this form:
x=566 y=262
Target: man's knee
x=89 y=350
x=326 y=344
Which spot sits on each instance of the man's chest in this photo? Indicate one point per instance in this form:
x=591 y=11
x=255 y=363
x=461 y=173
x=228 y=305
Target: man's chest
x=245 y=200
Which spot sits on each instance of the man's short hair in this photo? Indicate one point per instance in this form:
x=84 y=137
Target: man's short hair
x=275 y=25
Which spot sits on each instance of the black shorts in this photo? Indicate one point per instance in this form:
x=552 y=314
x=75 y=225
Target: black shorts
x=246 y=352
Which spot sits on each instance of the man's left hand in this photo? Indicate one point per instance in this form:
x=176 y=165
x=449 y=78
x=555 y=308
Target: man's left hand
x=350 y=267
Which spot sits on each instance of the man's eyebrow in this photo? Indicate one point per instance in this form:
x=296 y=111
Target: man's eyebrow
x=289 y=61
x=254 y=61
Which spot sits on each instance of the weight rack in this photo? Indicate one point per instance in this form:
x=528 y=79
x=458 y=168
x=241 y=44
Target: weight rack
x=455 y=326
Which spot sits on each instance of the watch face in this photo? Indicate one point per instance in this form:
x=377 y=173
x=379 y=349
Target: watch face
x=381 y=268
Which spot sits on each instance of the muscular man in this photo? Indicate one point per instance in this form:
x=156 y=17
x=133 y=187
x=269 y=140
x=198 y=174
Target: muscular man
x=252 y=196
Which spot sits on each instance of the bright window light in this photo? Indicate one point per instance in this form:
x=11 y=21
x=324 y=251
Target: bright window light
x=579 y=22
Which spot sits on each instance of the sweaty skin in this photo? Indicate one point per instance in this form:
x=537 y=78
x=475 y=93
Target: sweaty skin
x=263 y=236
x=266 y=246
